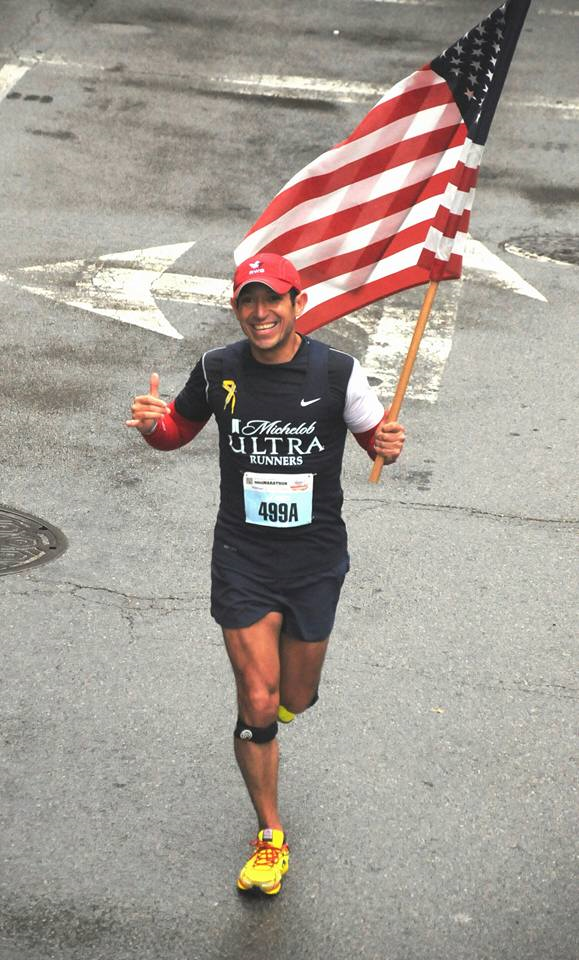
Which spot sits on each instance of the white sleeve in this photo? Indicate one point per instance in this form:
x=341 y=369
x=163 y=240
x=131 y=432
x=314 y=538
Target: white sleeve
x=362 y=409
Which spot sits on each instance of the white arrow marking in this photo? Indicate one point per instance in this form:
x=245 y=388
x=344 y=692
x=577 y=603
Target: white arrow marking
x=122 y=286
x=529 y=255
x=479 y=258
x=389 y=338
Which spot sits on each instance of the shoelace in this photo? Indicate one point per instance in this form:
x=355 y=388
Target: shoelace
x=265 y=853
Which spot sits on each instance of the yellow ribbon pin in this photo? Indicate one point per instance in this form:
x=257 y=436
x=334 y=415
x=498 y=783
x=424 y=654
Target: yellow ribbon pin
x=231 y=388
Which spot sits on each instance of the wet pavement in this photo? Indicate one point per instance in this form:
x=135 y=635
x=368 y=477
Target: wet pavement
x=429 y=797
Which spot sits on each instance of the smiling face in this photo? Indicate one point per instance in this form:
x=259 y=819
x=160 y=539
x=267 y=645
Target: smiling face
x=268 y=321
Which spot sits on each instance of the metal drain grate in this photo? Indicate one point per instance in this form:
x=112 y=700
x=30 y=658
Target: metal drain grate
x=26 y=541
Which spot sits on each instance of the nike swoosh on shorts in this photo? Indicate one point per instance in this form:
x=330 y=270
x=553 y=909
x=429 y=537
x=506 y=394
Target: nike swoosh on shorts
x=306 y=403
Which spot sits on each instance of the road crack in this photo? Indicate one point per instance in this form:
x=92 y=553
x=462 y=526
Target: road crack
x=130 y=604
x=490 y=683
x=468 y=511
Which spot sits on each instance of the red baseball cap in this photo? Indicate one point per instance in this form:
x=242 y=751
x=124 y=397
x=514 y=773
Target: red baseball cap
x=268 y=268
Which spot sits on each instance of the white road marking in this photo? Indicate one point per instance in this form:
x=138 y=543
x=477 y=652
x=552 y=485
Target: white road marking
x=305 y=88
x=414 y=3
x=545 y=104
x=58 y=61
x=478 y=258
x=338 y=91
x=529 y=255
x=122 y=286
x=389 y=339
x=116 y=285
x=552 y=12
x=210 y=291
x=298 y=87
x=10 y=74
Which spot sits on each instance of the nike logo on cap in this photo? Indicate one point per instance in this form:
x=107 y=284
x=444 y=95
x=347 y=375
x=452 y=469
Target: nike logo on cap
x=306 y=403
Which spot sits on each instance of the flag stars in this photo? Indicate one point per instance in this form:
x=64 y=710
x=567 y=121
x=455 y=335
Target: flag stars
x=471 y=64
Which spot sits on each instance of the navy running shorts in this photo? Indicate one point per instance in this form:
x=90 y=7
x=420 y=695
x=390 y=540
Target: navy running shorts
x=308 y=603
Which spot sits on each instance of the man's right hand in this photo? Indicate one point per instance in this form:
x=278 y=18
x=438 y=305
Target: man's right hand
x=149 y=408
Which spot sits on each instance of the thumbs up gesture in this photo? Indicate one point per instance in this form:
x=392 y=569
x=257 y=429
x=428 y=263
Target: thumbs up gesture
x=148 y=408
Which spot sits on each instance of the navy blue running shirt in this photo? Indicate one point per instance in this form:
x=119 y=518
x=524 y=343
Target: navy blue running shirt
x=288 y=418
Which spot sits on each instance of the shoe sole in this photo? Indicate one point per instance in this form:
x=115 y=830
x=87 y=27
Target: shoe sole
x=258 y=889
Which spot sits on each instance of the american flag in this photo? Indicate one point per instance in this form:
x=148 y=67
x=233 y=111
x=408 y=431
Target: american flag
x=389 y=207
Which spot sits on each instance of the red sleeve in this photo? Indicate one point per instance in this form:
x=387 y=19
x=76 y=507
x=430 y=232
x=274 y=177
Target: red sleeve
x=173 y=430
x=366 y=439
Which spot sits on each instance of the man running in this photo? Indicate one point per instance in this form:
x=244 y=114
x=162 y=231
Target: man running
x=283 y=404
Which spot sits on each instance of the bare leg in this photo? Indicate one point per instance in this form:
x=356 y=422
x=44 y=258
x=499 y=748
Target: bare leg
x=300 y=671
x=254 y=655
x=259 y=765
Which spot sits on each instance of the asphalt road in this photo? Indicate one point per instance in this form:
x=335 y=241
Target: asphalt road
x=429 y=797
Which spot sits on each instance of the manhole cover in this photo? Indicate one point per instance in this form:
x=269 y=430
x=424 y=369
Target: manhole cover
x=560 y=248
x=26 y=541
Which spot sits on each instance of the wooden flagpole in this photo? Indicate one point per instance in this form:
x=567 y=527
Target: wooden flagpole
x=407 y=370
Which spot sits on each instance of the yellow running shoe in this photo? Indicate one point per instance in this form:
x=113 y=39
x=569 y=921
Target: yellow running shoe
x=265 y=869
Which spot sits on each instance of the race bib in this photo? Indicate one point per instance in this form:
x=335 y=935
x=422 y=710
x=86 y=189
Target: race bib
x=278 y=499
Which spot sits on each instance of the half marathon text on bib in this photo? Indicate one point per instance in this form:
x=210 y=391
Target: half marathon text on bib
x=278 y=499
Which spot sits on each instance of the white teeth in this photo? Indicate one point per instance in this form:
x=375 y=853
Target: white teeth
x=263 y=326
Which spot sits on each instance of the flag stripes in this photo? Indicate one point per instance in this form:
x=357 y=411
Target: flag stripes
x=389 y=207
x=353 y=198
x=361 y=214
x=356 y=146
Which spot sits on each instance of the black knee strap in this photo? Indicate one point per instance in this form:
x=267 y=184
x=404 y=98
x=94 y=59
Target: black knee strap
x=243 y=731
